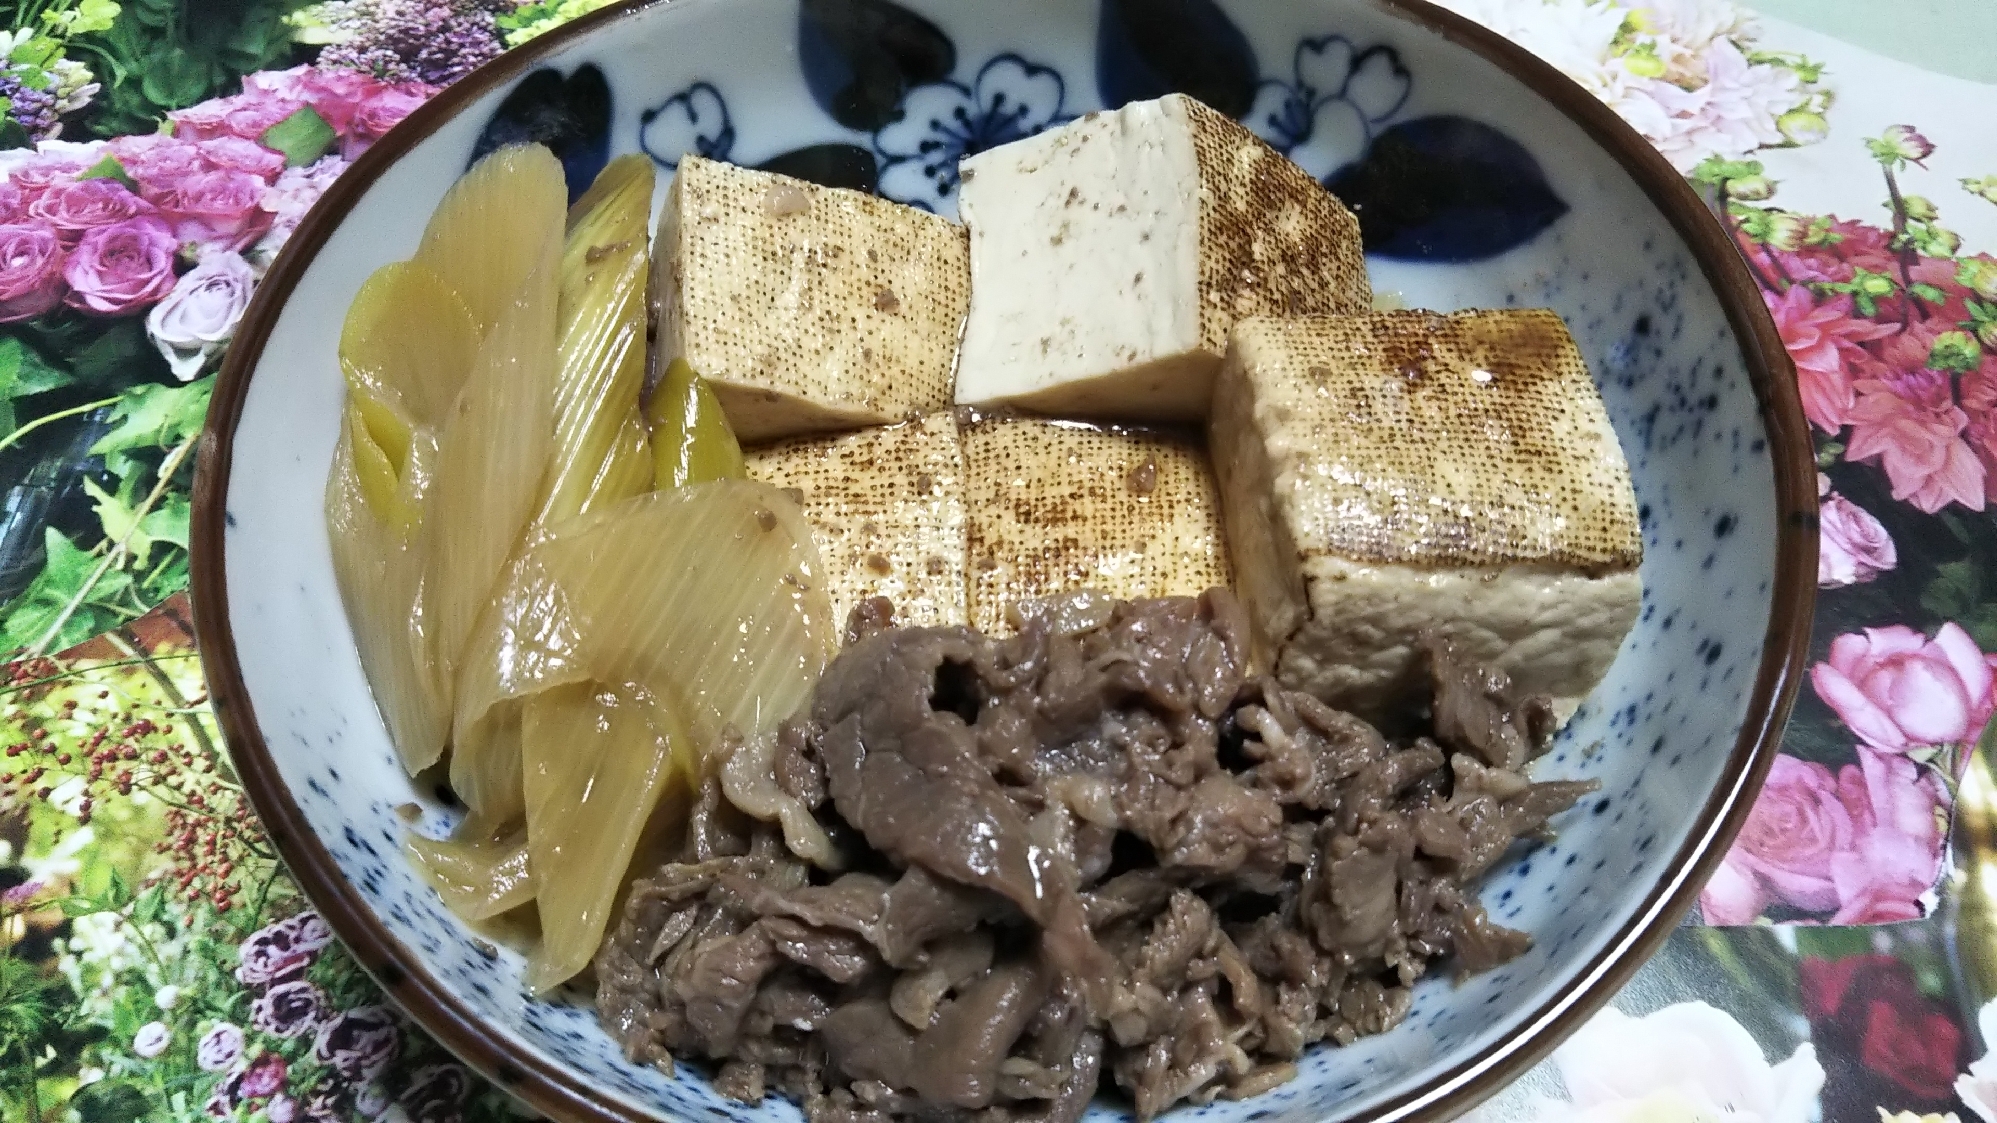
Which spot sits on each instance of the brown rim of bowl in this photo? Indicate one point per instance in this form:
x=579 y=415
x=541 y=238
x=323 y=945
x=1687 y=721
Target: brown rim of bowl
x=559 y=1093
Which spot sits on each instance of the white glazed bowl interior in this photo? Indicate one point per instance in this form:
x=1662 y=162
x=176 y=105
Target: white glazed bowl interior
x=1660 y=734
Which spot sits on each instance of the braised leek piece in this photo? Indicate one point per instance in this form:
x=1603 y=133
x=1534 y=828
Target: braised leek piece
x=485 y=766
x=371 y=515
x=489 y=232
x=477 y=878
x=691 y=440
x=602 y=342
x=709 y=597
x=598 y=761
x=408 y=342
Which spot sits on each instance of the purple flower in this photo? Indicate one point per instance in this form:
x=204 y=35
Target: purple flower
x=290 y=1009
x=247 y=115
x=21 y=896
x=13 y=203
x=118 y=270
x=333 y=92
x=157 y=167
x=75 y=209
x=436 y=1094
x=222 y=210
x=264 y=1077
x=220 y=1048
x=276 y=952
x=151 y=1040
x=358 y=1044
x=36 y=175
x=234 y=154
x=289 y=198
x=1904 y=142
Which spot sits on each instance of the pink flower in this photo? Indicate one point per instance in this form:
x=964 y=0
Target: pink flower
x=1900 y=691
x=290 y=198
x=264 y=1077
x=1785 y=850
x=200 y=315
x=216 y=209
x=13 y=204
x=1822 y=338
x=335 y=93
x=158 y=167
x=246 y=115
x=234 y=154
x=31 y=270
x=253 y=117
x=1897 y=850
x=1912 y=426
x=382 y=112
x=39 y=173
x=77 y=208
x=1853 y=546
x=118 y=270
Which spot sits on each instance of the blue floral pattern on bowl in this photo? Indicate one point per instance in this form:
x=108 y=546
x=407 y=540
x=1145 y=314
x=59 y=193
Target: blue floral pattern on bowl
x=1329 y=114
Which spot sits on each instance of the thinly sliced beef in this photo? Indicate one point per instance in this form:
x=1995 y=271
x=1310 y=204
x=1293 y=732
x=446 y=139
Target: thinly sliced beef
x=1096 y=852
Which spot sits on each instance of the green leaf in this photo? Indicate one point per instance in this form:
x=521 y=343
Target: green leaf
x=1832 y=943
x=114 y=357
x=110 y=168
x=110 y=1101
x=154 y=416
x=303 y=137
x=1929 y=293
x=62 y=581
x=165 y=523
x=14 y=135
x=170 y=576
x=23 y=372
x=94 y=16
x=1956 y=593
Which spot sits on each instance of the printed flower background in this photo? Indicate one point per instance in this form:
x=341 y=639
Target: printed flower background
x=156 y=962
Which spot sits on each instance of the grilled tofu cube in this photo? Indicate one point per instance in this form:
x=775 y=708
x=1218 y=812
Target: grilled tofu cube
x=1402 y=471
x=808 y=308
x=1056 y=506
x=886 y=506
x=1109 y=259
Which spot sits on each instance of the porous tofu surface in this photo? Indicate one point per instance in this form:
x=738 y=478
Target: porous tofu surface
x=1403 y=471
x=808 y=308
x=1111 y=257
x=886 y=507
x=1055 y=506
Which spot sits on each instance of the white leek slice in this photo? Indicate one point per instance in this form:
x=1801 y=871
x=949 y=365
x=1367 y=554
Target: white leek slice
x=493 y=227
x=602 y=342
x=598 y=762
x=485 y=766
x=708 y=596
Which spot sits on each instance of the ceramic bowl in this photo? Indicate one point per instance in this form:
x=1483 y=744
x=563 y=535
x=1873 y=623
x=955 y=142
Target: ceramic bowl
x=1483 y=179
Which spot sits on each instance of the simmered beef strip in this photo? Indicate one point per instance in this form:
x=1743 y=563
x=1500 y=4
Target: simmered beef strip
x=1098 y=852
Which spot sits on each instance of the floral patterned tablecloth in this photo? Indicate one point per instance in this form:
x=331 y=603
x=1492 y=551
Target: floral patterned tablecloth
x=157 y=963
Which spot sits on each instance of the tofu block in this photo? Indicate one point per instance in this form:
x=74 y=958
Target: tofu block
x=1056 y=506
x=808 y=308
x=886 y=507
x=1109 y=259
x=1401 y=471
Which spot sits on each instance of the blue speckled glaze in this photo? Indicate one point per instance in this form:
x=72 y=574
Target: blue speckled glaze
x=769 y=81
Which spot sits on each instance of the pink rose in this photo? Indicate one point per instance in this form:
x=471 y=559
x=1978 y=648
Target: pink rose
x=216 y=209
x=159 y=167
x=254 y=116
x=1853 y=547
x=246 y=115
x=118 y=270
x=1798 y=823
x=234 y=154
x=75 y=209
x=290 y=198
x=1911 y=425
x=37 y=175
x=382 y=112
x=264 y=1077
x=1822 y=339
x=1733 y=896
x=1897 y=846
x=31 y=269
x=13 y=204
x=334 y=93
x=1900 y=691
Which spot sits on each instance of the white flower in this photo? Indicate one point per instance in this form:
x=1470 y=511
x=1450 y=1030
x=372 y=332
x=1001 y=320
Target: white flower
x=166 y=997
x=1978 y=1087
x=10 y=41
x=370 y=1101
x=201 y=313
x=89 y=1074
x=1684 y=1062
x=85 y=152
x=151 y=1040
x=220 y=1047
